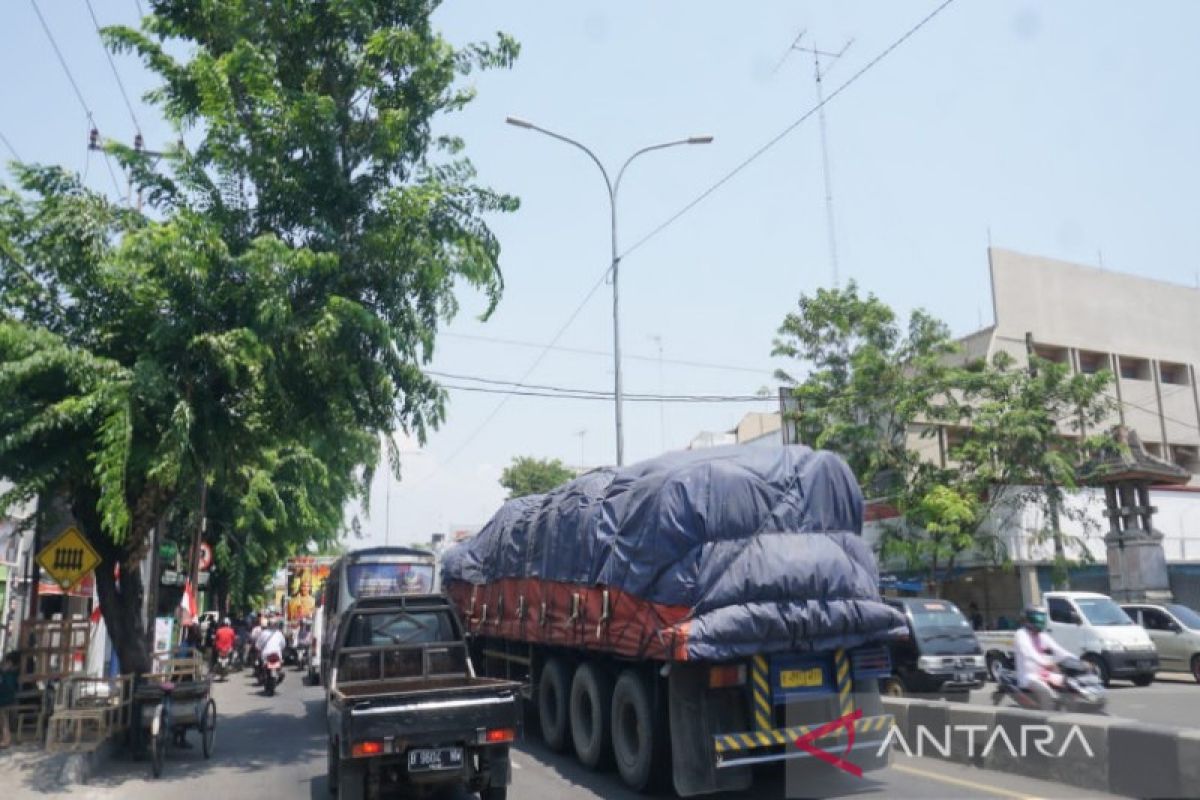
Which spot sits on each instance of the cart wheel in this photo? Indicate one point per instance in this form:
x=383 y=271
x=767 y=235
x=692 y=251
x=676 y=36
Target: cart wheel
x=158 y=742
x=208 y=727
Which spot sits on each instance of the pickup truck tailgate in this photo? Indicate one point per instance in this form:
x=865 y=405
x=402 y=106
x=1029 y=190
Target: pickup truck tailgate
x=431 y=715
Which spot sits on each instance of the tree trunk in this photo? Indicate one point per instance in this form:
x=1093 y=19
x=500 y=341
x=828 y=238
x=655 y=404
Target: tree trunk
x=121 y=606
x=121 y=597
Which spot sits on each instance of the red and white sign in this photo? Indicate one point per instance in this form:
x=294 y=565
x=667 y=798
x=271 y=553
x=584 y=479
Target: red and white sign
x=206 y=556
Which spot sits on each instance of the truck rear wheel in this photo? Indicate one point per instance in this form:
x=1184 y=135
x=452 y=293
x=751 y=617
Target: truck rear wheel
x=591 y=715
x=637 y=735
x=553 y=704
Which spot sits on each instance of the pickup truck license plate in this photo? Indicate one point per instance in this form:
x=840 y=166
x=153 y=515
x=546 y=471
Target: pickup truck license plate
x=435 y=758
x=801 y=678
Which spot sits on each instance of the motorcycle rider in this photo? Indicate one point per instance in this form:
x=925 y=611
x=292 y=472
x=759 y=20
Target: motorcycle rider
x=223 y=640
x=1036 y=654
x=254 y=656
x=273 y=643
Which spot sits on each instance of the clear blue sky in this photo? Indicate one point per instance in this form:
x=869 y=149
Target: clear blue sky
x=1068 y=129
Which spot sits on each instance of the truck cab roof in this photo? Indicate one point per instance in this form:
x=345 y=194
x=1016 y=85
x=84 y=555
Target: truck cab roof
x=1066 y=595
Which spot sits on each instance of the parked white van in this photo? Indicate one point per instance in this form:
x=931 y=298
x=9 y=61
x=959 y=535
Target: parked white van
x=1092 y=627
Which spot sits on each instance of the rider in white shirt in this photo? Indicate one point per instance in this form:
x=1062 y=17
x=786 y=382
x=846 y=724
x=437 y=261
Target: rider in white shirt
x=273 y=642
x=1037 y=655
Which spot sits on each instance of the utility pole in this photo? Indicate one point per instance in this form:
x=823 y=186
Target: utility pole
x=94 y=144
x=819 y=73
x=1051 y=492
x=582 y=434
x=613 y=188
x=662 y=408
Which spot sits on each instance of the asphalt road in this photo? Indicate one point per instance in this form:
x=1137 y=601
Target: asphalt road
x=275 y=748
x=1173 y=699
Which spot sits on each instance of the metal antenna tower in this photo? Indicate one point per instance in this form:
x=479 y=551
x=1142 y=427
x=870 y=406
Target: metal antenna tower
x=819 y=73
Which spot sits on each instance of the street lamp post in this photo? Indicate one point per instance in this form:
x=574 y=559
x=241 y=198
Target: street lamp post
x=613 y=188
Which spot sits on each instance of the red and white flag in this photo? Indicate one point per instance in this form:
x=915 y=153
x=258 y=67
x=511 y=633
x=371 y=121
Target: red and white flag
x=188 y=604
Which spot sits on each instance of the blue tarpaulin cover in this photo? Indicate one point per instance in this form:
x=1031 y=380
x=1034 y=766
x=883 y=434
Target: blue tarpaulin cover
x=763 y=545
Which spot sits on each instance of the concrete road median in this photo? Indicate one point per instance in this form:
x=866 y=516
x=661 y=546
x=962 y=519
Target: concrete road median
x=1089 y=751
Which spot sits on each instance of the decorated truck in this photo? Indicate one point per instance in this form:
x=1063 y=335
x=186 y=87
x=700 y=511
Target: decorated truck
x=688 y=617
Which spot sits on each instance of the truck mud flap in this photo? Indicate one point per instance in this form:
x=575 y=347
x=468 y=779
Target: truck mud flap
x=696 y=711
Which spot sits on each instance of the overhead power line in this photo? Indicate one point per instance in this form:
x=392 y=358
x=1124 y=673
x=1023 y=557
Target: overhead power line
x=609 y=397
x=75 y=86
x=601 y=393
x=113 y=65
x=788 y=130
x=541 y=355
x=8 y=145
x=608 y=354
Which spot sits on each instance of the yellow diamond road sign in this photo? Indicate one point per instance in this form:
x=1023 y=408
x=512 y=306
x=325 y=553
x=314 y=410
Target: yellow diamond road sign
x=69 y=558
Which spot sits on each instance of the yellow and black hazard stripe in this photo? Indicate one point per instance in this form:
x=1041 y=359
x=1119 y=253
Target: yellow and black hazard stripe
x=760 y=684
x=752 y=740
x=841 y=669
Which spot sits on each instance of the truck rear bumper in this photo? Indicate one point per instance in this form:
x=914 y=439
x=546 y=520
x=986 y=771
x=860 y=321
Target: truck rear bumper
x=778 y=744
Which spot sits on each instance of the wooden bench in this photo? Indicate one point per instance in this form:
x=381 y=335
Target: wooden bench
x=87 y=711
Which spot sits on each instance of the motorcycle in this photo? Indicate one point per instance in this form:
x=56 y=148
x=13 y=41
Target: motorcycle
x=272 y=673
x=1082 y=690
x=223 y=664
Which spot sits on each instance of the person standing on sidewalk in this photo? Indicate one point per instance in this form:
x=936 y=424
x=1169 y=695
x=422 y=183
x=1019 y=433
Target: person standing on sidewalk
x=8 y=697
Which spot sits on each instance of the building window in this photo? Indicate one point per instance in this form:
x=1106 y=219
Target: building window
x=1154 y=449
x=955 y=439
x=1176 y=374
x=1135 y=369
x=1091 y=362
x=1187 y=457
x=1057 y=355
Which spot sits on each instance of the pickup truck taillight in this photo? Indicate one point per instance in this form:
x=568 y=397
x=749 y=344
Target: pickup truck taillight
x=371 y=747
x=497 y=735
x=723 y=676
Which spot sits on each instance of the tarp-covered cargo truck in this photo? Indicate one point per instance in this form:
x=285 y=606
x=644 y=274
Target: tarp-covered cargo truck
x=688 y=616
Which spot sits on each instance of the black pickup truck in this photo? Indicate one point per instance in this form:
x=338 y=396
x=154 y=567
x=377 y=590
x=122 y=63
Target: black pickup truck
x=405 y=708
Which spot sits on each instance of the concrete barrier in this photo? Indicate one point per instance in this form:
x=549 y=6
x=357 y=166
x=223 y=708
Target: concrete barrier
x=1094 y=752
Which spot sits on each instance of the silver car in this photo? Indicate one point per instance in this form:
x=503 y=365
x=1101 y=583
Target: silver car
x=1175 y=630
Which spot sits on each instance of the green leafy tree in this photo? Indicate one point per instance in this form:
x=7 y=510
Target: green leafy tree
x=1028 y=432
x=872 y=391
x=868 y=381
x=245 y=345
x=527 y=475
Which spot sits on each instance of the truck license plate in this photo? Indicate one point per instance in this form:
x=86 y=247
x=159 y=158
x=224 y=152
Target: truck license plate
x=801 y=678
x=435 y=758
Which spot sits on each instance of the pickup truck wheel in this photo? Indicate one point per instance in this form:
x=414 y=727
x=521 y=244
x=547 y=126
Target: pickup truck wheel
x=352 y=781
x=494 y=793
x=1196 y=667
x=995 y=662
x=636 y=735
x=1144 y=679
x=893 y=687
x=553 y=698
x=591 y=715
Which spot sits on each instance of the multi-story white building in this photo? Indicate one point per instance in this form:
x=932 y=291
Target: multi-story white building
x=1147 y=334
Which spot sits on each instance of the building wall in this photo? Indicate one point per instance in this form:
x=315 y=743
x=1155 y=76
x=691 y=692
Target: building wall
x=1145 y=332
x=1079 y=306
